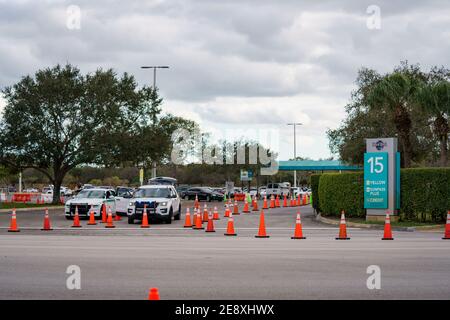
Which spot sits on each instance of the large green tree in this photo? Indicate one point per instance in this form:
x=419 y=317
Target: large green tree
x=385 y=105
x=59 y=119
x=434 y=98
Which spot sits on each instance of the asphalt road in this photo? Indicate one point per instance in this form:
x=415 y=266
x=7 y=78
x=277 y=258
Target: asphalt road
x=123 y=263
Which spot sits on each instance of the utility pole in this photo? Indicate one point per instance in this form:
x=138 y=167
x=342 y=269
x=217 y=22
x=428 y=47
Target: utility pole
x=154 y=88
x=295 y=124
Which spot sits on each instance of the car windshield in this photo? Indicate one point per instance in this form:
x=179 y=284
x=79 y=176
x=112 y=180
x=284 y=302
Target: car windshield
x=91 y=194
x=152 y=193
x=121 y=192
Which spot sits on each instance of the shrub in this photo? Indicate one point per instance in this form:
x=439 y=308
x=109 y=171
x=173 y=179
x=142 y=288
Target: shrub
x=425 y=194
x=342 y=191
x=315 y=190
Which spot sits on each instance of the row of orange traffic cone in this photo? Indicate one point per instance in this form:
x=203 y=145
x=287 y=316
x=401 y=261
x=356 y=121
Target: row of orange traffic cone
x=106 y=218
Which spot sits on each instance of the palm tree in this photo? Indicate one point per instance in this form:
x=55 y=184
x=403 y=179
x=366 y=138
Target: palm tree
x=394 y=93
x=434 y=98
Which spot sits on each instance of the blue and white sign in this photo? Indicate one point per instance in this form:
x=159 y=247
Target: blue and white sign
x=376 y=180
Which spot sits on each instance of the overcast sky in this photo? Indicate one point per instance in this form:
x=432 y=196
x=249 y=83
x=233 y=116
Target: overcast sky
x=234 y=65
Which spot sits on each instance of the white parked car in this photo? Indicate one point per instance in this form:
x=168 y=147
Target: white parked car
x=91 y=200
x=31 y=190
x=262 y=192
x=278 y=189
x=162 y=202
x=123 y=196
x=300 y=191
x=253 y=192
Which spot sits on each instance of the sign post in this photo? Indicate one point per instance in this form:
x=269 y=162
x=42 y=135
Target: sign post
x=381 y=178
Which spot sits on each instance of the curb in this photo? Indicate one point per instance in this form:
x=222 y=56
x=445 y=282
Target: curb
x=32 y=209
x=435 y=228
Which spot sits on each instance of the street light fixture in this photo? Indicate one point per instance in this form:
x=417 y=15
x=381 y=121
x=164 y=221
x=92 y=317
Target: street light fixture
x=154 y=88
x=154 y=72
x=295 y=124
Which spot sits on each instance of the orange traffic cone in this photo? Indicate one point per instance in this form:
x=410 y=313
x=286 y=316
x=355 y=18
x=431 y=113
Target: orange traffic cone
x=117 y=217
x=305 y=200
x=109 y=220
x=216 y=214
x=210 y=226
x=76 y=219
x=227 y=211
x=144 y=222
x=92 y=219
x=196 y=203
x=230 y=227
x=265 y=203
x=235 y=208
x=285 y=201
x=198 y=221
x=277 y=202
x=342 y=228
x=246 y=209
x=262 y=227
x=299 y=200
x=255 y=204
x=272 y=202
x=205 y=214
x=298 y=233
x=447 y=227
x=153 y=294
x=13 y=226
x=47 y=225
x=387 y=228
x=104 y=218
x=187 y=220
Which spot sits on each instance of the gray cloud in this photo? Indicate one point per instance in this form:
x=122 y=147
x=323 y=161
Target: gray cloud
x=225 y=54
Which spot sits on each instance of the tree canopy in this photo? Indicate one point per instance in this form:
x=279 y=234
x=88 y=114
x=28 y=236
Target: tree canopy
x=59 y=119
x=405 y=104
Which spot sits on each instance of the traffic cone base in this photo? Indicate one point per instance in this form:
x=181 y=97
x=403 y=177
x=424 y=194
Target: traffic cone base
x=342 y=238
x=13 y=230
x=387 y=238
x=262 y=236
x=299 y=238
x=230 y=234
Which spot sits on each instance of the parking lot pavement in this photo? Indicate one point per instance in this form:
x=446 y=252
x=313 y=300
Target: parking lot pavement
x=122 y=263
x=414 y=266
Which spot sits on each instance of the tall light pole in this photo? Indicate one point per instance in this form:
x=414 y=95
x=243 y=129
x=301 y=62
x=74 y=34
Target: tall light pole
x=295 y=124
x=154 y=88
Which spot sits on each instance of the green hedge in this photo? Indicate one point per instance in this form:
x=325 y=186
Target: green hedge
x=342 y=191
x=315 y=190
x=425 y=194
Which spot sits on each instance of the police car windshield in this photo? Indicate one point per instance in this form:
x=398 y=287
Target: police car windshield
x=152 y=193
x=91 y=194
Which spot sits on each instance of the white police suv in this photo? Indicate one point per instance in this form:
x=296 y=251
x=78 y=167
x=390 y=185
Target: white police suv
x=91 y=199
x=162 y=202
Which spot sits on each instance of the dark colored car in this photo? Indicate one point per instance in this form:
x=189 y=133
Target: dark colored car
x=202 y=193
x=182 y=189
